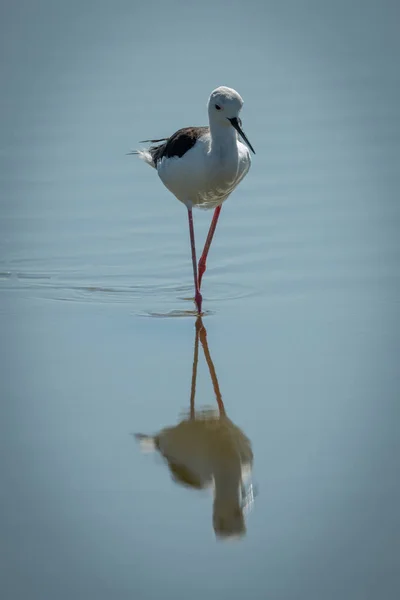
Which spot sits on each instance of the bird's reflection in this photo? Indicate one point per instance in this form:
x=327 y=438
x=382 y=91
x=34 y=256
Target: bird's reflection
x=206 y=449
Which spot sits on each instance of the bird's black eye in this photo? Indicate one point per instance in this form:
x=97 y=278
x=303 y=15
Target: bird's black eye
x=217 y=107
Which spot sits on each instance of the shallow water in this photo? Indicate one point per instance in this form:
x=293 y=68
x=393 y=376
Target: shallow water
x=301 y=297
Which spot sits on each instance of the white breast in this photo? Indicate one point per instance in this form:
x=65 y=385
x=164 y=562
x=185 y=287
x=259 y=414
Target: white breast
x=202 y=177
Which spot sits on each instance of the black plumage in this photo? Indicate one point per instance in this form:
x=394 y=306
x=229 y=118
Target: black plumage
x=177 y=145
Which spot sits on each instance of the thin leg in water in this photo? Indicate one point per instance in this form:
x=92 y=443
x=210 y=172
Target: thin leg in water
x=214 y=379
x=197 y=296
x=211 y=231
x=194 y=369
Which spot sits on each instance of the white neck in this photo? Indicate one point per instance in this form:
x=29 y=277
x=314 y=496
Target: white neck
x=227 y=481
x=222 y=136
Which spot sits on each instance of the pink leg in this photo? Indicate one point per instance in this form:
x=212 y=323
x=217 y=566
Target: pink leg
x=194 y=369
x=202 y=261
x=214 y=379
x=197 y=297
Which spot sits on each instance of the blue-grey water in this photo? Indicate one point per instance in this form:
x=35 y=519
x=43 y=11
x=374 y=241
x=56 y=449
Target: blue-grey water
x=301 y=296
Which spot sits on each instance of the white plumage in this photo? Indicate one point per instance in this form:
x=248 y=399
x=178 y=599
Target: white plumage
x=211 y=167
x=201 y=166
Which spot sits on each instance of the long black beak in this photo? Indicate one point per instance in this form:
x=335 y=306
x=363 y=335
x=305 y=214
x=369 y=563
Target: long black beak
x=236 y=124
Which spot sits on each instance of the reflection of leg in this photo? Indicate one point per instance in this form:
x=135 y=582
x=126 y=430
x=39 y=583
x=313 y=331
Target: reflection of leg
x=203 y=259
x=211 y=368
x=194 y=370
x=197 y=295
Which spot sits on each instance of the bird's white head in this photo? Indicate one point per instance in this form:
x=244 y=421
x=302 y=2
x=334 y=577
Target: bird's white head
x=224 y=106
x=228 y=519
x=224 y=103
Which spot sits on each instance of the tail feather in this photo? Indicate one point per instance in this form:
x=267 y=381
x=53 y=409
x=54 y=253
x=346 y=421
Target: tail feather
x=146 y=142
x=153 y=141
x=149 y=155
x=144 y=155
x=148 y=443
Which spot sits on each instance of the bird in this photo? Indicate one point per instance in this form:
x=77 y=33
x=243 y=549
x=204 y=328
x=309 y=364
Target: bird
x=206 y=449
x=202 y=166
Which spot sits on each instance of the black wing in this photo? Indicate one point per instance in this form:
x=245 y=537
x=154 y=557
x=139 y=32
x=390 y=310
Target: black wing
x=178 y=144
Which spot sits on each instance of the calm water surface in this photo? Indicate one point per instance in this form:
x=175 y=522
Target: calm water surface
x=301 y=297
